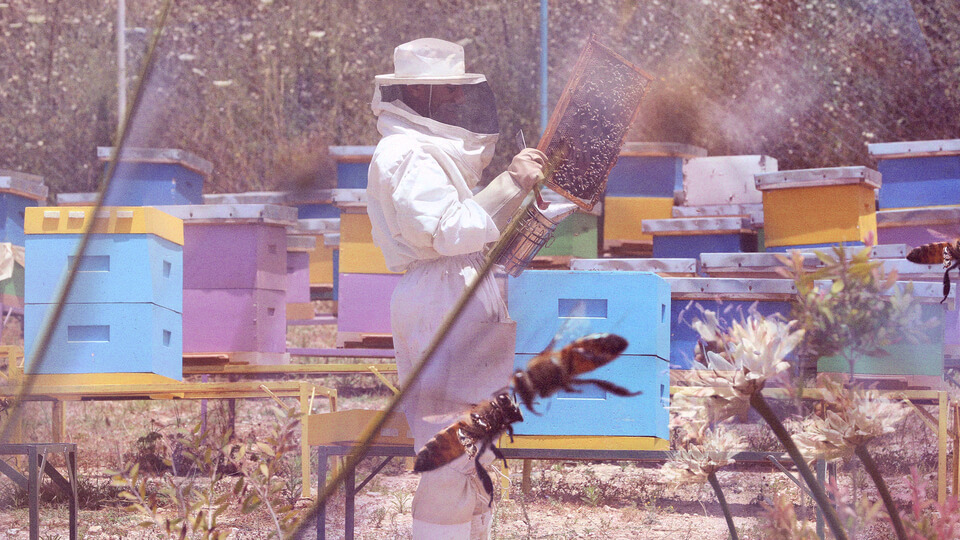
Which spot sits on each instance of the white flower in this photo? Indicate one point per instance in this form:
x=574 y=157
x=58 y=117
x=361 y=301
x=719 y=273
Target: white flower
x=853 y=418
x=754 y=353
x=699 y=460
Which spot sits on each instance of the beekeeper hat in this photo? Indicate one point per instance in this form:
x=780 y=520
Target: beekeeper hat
x=429 y=61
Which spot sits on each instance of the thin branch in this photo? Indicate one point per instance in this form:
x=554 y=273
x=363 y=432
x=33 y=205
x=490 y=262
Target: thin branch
x=871 y=466
x=760 y=404
x=715 y=484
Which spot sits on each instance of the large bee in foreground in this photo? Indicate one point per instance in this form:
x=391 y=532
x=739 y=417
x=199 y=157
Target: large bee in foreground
x=546 y=373
x=947 y=253
x=472 y=436
x=553 y=370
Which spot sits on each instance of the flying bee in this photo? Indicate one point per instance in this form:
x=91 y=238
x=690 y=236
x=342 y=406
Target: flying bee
x=553 y=370
x=947 y=253
x=472 y=436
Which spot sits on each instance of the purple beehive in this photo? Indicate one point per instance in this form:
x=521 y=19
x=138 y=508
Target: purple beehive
x=235 y=279
x=918 y=226
x=364 y=306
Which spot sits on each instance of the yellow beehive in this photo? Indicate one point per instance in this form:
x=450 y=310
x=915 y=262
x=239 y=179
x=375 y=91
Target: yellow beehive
x=819 y=206
x=321 y=264
x=622 y=217
x=358 y=253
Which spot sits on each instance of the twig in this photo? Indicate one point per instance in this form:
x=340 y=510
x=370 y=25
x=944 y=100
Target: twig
x=760 y=404
x=871 y=466
x=715 y=484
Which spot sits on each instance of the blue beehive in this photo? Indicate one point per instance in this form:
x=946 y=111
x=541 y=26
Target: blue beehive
x=918 y=173
x=631 y=304
x=688 y=237
x=123 y=314
x=731 y=299
x=18 y=191
x=650 y=169
x=153 y=177
x=352 y=165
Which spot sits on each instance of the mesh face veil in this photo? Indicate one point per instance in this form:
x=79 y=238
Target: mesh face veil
x=475 y=111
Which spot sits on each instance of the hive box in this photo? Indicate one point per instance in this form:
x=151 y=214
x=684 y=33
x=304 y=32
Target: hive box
x=661 y=267
x=235 y=274
x=623 y=219
x=18 y=191
x=574 y=304
x=731 y=299
x=352 y=165
x=918 y=173
x=364 y=306
x=815 y=207
x=155 y=176
x=123 y=315
x=652 y=169
x=919 y=364
x=575 y=236
x=918 y=226
x=724 y=180
x=689 y=237
x=299 y=248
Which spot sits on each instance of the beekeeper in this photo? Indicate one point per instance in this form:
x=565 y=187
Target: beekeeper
x=439 y=127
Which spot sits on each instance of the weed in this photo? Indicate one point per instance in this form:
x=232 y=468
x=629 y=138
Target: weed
x=591 y=495
x=400 y=500
x=378 y=516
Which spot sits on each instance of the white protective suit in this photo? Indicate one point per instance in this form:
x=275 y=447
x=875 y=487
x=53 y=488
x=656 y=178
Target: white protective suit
x=429 y=225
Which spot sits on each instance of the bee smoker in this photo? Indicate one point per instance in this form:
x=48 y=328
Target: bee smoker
x=534 y=229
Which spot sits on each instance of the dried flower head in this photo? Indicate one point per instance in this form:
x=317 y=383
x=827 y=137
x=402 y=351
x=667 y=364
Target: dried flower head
x=754 y=352
x=693 y=464
x=852 y=418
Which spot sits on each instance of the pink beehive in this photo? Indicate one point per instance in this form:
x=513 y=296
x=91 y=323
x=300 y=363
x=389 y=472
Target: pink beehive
x=235 y=280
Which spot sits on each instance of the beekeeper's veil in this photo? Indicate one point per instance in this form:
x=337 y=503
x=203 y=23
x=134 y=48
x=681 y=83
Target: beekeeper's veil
x=430 y=61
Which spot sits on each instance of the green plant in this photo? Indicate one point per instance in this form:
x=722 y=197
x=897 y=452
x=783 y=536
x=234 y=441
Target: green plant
x=591 y=495
x=851 y=308
x=400 y=500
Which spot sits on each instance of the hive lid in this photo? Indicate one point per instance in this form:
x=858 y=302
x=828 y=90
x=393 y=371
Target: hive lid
x=234 y=213
x=883 y=251
x=907 y=270
x=301 y=242
x=933 y=215
x=23 y=184
x=830 y=176
x=285 y=198
x=748 y=262
x=717 y=210
x=158 y=155
x=319 y=225
x=76 y=199
x=355 y=198
x=352 y=154
x=661 y=149
x=705 y=225
x=331 y=239
x=893 y=150
x=731 y=288
x=659 y=266
x=109 y=220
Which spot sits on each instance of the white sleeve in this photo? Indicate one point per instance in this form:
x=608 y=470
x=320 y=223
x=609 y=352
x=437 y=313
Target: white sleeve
x=430 y=212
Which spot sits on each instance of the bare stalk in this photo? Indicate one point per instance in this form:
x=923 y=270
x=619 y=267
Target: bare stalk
x=759 y=404
x=871 y=466
x=715 y=484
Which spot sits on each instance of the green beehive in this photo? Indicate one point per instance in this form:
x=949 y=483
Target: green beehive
x=575 y=236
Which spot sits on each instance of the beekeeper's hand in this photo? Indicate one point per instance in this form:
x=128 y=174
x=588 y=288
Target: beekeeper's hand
x=526 y=169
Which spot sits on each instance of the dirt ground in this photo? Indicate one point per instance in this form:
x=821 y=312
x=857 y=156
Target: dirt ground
x=567 y=499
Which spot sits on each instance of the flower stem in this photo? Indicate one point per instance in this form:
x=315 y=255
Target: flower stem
x=874 y=471
x=758 y=402
x=712 y=478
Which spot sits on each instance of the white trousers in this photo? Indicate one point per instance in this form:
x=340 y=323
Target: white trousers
x=472 y=363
